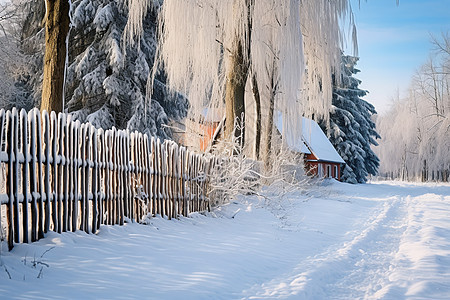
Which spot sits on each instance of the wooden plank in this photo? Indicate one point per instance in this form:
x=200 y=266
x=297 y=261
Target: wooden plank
x=16 y=176
x=83 y=201
x=164 y=178
x=122 y=200
x=24 y=144
x=143 y=178
x=70 y=161
x=126 y=151
x=41 y=216
x=176 y=162
x=2 y=132
x=132 y=163
x=76 y=174
x=148 y=182
x=64 y=149
x=117 y=179
x=183 y=180
x=33 y=179
x=158 y=177
x=87 y=176
x=189 y=162
x=95 y=180
x=168 y=167
x=127 y=183
x=102 y=177
x=54 y=142
x=138 y=178
x=196 y=186
x=59 y=166
x=47 y=191
x=10 y=178
x=108 y=186
x=128 y=179
x=154 y=198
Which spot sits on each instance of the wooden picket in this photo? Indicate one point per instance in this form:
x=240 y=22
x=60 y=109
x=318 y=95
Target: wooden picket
x=62 y=175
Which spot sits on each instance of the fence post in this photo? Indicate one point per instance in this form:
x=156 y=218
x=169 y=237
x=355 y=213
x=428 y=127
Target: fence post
x=102 y=177
x=70 y=162
x=83 y=176
x=60 y=165
x=75 y=171
x=95 y=179
x=10 y=178
x=121 y=177
x=128 y=169
x=33 y=179
x=47 y=133
x=147 y=187
x=24 y=143
x=183 y=180
x=153 y=197
x=38 y=131
x=87 y=170
x=2 y=128
x=16 y=176
x=54 y=139
x=108 y=162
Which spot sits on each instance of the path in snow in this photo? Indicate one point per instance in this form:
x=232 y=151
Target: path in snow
x=338 y=241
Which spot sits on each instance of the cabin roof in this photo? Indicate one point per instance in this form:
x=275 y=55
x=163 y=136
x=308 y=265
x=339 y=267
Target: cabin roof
x=312 y=140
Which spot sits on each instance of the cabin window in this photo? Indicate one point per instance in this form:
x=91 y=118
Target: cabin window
x=328 y=171
x=336 y=175
x=320 y=170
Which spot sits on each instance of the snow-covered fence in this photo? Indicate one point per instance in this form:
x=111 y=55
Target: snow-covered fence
x=58 y=174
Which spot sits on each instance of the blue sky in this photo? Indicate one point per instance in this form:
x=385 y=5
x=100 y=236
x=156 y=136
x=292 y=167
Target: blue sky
x=394 y=41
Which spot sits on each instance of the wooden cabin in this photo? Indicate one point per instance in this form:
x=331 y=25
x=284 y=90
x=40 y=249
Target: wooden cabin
x=321 y=158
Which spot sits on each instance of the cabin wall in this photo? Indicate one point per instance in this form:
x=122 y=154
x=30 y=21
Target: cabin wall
x=323 y=169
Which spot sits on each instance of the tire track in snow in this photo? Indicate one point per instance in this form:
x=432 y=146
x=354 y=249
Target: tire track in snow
x=355 y=268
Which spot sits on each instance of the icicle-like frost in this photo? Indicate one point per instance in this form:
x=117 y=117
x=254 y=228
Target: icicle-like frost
x=137 y=10
x=286 y=38
x=320 y=21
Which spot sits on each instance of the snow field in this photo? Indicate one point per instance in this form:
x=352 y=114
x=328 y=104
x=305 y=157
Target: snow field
x=336 y=241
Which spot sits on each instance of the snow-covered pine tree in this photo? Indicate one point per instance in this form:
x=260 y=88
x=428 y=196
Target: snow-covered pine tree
x=351 y=129
x=106 y=81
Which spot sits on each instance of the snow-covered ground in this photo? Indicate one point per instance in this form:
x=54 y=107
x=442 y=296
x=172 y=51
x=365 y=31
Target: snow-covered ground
x=383 y=240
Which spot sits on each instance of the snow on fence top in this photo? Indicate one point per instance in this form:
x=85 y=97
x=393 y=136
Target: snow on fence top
x=61 y=175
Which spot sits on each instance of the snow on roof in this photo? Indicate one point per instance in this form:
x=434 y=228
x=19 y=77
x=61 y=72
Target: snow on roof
x=318 y=142
x=294 y=143
x=312 y=138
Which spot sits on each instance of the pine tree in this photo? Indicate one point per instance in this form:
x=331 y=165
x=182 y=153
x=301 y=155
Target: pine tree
x=351 y=129
x=106 y=80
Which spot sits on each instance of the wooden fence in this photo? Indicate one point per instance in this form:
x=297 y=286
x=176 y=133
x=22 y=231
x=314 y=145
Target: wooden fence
x=58 y=174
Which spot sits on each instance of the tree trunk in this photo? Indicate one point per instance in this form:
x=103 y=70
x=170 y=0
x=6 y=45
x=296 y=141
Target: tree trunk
x=268 y=148
x=234 y=96
x=272 y=92
x=56 y=30
x=257 y=97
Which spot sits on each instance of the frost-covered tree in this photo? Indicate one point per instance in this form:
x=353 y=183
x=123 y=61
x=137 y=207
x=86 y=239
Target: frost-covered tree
x=16 y=64
x=351 y=129
x=416 y=130
x=210 y=49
